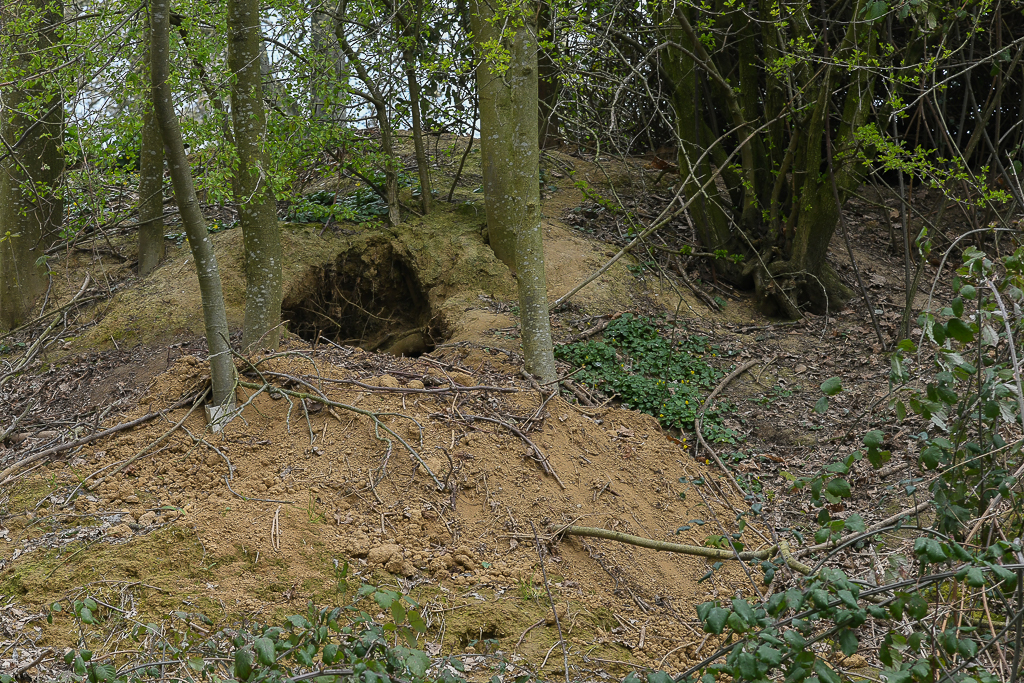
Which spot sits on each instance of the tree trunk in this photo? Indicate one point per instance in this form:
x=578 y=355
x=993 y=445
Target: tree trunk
x=151 y=184
x=548 y=122
x=222 y=369
x=31 y=206
x=417 y=131
x=376 y=99
x=510 y=158
x=257 y=209
x=329 y=69
x=410 y=50
x=771 y=202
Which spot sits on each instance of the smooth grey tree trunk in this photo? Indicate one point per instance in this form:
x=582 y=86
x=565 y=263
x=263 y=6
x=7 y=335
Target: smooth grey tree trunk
x=422 y=163
x=257 y=209
x=222 y=369
x=31 y=206
x=378 y=101
x=151 y=184
x=511 y=170
x=410 y=50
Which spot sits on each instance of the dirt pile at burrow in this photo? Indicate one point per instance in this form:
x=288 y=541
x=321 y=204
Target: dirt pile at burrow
x=292 y=490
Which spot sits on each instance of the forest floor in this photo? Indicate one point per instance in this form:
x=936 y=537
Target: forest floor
x=164 y=522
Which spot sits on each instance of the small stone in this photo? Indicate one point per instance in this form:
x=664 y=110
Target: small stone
x=133 y=500
x=853 y=662
x=147 y=519
x=119 y=531
x=415 y=384
x=462 y=379
x=387 y=381
x=383 y=554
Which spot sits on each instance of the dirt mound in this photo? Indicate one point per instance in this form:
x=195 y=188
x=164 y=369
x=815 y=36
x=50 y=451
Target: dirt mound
x=430 y=473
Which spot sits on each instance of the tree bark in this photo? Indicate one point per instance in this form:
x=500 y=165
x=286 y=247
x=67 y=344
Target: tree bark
x=257 y=209
x=151 y=184
x=31 y=205
x=548 y=122
x=376 y=99
x=774 y=207
x=511 y=170
x=417 y=130
x=222 y=369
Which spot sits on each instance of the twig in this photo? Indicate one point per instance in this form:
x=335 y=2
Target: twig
x=20 y=673
x=698 y=426
x=541 y=458
x=921 y=507
x=257 y=500
x=523 y=637
x=411 y=390
x=275 y=530
x=38 y=343
x=551 y=601
x=88 y=439
x=14 y=424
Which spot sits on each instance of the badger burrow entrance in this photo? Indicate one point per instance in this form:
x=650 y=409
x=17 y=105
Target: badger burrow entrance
x=370 y=298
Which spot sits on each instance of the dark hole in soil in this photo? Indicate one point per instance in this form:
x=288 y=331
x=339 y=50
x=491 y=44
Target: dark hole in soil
x=371 y=299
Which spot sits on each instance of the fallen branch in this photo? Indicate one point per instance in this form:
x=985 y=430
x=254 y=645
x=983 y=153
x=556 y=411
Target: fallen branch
x=19 y=418
x=411 y=390
x=921 y=507
x=697 y=424
x=31 y=352
x=13 y=469
x=685 y=549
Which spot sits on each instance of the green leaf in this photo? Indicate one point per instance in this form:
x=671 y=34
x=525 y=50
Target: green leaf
x=397 y=612
x=795 y=640
x=825 y=672
x=743 y=609
x=299 y=621
x=854 y=523
x=769 y=655
x=715 y=622
x=974 y=577
x=243 y=664
x=847 y=598
x=417 y=662
x=840 y=488
x=967 y=648
x=196 y=664
x=929 y=550
x=264 y=649
x=848 y=642
x=416 y=621
x=917 y=607
x=957 y=305
x=821 y=405
x=957 y=329
x=747 y=666
x=832 y=386
x=875 y=10
x=874 y=438
x=737 y=623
